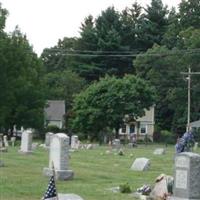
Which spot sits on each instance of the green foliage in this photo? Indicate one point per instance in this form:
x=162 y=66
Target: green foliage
x=167 y=137
x=125 y=188
x=22 y=96
x=53 y=129
x=189 y=13
x=104 y=104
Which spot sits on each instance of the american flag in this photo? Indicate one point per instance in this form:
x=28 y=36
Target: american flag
x=51 y=190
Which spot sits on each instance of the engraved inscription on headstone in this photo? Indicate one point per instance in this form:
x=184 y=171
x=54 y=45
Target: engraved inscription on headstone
x=182 y=161
x=181 y=179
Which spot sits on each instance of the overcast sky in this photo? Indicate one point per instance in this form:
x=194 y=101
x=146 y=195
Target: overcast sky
x=46 y=21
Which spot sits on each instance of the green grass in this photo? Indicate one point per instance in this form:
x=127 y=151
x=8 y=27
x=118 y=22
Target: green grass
x=22 y=178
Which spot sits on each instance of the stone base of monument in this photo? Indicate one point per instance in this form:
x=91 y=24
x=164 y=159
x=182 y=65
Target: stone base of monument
x=25 y=152
x=69 y=197
x=62 y=175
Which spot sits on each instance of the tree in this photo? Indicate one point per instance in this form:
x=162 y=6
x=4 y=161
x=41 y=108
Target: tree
x=104 y=104
x=63 y=86
x=56 y=58
x=23 y=97
x=189 y=13
x=153 y=24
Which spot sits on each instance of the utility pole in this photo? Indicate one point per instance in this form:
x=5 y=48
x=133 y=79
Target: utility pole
x=189 y=73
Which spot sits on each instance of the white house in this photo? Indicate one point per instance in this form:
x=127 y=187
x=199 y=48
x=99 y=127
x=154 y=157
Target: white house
x=54 y=113
x=141 y=127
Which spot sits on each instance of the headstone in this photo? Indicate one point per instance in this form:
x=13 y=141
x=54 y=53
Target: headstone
x=26 y=142
x=140 y=164
x=59 y=157
x=34 y=145
x=116 y=144
x=5 y=140
x=195 y=146
x=48 y=138
x=13 y=139
x=159 y=151
x=69 y=197
x=1 y=140
x=186 y=176
x=74 y=142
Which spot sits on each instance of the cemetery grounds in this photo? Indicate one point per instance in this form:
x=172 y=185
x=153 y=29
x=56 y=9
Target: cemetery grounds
x=95 y=172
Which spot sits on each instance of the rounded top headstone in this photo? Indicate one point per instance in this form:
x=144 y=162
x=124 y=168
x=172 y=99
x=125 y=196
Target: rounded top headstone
x=61 y=135
x=189 y=154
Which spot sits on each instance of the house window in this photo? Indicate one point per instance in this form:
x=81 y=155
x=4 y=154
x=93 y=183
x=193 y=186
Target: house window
x=143 y=129
x=132 y=128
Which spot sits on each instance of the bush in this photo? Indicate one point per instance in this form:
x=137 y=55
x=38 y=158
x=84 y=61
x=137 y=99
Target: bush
x=167 y=137
x=125 y=188
x=53 y=129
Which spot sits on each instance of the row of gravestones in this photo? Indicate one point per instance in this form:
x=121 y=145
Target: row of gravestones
x=58 y=153
x=4 y=141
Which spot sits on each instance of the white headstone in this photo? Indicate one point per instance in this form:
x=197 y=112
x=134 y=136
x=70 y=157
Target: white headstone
x=26 y=142
x=13 y=139
x=59 y=157
x=74 y=142
x=48 y=138
x=140 y=164
x=5 y=140
x=159 y=151
x=187 y=176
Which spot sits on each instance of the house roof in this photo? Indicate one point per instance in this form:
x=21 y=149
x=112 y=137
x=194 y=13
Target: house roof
x=195 y=124
x=55 y=110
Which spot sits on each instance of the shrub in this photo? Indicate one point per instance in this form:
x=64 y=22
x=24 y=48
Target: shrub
x=53 y=129
x=125 y=188
x=167 y=137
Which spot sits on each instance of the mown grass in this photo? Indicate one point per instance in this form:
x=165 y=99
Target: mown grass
x=95 y=172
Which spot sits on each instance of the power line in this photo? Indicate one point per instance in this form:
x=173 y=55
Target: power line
x=84 y=53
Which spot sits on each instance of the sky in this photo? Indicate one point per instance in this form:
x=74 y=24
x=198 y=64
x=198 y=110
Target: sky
x=46 y=21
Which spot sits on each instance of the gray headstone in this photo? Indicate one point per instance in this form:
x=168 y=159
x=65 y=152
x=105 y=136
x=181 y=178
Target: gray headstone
x=34 y=145
x=13 y=139
x=140 y=164
x=74 y=142
x=59 y=157
x=26 y=142
x=159 y=151
x=1 y=140
x=69 y=197
x=187 y=176
x=48 y=138
x=5 y=140
x=116 y=144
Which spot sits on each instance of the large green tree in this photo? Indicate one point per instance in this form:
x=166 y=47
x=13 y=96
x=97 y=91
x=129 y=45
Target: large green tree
x=105 y=103
x=22 y=98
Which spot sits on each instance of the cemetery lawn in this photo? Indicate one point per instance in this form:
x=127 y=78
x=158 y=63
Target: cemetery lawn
x=95 y=172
